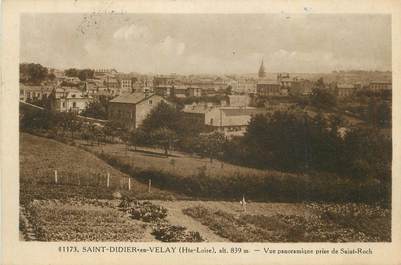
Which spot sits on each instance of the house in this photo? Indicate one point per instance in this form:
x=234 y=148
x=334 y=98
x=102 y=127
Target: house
x=180 y=91
x=268 y=88
x=294 y=86
x=238 y=100
x=246 y=85
x=72 y=79
x=164 y=85
x=111 y=82
x=105 y=71
x=164 y=91
x=69 y=100
x=90 y=88
x=379 y=85
x=345 y=90
x=132 y=109
x=232 y=121
x=31 y=93
x=126 y=82
x=194 y=91
x=211 y=92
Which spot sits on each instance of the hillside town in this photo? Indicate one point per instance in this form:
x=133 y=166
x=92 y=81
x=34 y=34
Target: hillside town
x=222 y=103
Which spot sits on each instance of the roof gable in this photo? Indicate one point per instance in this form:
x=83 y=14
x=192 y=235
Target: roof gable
x=133 y=98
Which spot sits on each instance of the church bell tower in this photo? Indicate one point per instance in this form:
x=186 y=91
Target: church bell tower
x=262 y=73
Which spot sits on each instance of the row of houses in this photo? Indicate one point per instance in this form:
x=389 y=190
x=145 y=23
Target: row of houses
x=283 y=86
x=347 y=90
x=168 y=86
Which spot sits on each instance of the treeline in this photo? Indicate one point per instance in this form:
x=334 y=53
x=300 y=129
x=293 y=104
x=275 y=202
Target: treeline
x=299 y=143
x=34 y=73
x=82 y=74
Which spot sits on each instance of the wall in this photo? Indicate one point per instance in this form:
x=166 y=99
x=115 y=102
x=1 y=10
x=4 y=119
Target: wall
x=123 y=112
x=144 y=107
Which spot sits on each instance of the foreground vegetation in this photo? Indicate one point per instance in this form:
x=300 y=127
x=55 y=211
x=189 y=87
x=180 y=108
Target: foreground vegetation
x=329 y=223
x=81 y=220
x=79 y=173
x=92 y=214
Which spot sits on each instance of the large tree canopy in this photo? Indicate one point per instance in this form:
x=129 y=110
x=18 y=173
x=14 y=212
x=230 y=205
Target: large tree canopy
x=82 y=74
x=32 y=73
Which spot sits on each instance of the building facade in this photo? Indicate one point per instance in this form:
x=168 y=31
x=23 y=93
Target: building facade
x=268 y=88
x=69 y=100
x=379 y=85
x=133 y=108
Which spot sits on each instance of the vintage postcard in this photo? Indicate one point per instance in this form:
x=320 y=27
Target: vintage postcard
x=194 y=132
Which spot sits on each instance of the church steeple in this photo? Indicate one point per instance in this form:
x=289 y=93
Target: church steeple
x=262 y=72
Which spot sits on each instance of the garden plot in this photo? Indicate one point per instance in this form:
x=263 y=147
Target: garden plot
x=323 y=223
x=89 y=220
x=155 y=215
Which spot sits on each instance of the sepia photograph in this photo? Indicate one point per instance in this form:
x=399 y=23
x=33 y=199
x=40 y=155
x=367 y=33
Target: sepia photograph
x=201 y=127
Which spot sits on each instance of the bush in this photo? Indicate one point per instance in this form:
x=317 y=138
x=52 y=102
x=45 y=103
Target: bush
x=175 y=233
x=147 y=211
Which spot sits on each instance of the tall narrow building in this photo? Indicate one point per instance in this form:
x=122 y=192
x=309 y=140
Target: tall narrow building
x=262 y=72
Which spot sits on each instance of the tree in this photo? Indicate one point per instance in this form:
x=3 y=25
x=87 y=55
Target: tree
x=378 y=113
x=214 y=144
x=163 y=137
x=367 y=154
x=32 y=73
x=319 y=84
x=85 y=74
x=323 y=99
x=162 y=116
x=96 y=109
x=82 y=74
x=136 y=137
x=71 y=72
x=51 y=76
x=228 y=90
x=113 y=129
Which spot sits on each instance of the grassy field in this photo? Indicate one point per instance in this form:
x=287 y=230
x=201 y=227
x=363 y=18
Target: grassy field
x=79 y=173
x=177 y=163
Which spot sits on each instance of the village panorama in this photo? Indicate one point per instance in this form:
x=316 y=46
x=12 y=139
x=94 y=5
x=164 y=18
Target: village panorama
x=264 y=156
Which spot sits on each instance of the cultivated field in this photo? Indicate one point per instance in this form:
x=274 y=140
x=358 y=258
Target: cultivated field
x=83 y=220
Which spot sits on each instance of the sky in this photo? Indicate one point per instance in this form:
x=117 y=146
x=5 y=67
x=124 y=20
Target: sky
x=207 y=43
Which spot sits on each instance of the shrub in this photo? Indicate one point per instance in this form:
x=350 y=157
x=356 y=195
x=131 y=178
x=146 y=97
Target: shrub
x=175 y=233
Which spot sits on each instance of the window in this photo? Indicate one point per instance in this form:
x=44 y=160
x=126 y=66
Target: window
x=74 y=104
x=211 y=121
x=150 y=102
x=63 y=104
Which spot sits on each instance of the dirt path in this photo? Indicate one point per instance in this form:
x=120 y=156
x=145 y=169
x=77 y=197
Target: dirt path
x=177 y=217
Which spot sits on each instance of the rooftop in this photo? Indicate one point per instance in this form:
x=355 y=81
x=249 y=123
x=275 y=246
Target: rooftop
x=268 y=82
x=133 y=98
x=345 y=86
